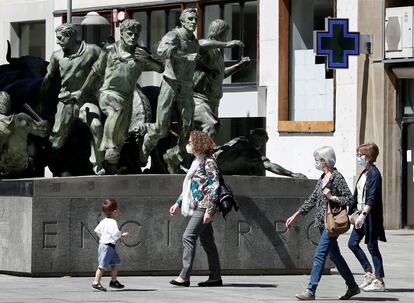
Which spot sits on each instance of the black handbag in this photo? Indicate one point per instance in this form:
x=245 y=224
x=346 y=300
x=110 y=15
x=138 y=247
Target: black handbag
x=226 y=200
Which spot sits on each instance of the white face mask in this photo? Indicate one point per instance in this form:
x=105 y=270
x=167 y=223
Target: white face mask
x=189 y=148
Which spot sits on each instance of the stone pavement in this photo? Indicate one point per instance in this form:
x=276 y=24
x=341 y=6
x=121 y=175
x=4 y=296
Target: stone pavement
x=398 y=262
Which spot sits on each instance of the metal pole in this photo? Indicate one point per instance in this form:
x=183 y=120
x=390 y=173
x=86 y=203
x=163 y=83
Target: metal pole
x=69 y=11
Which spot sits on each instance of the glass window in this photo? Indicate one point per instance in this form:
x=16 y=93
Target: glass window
x=98 y=34
x=32 y=38
x=157 y=28
x=155 y=24
x=408 y=97
x=242 y=19
x=249 y=37
x=311 y=88
x=142 y=17
x=173 y=18
x=211 y=13
x=232 y=17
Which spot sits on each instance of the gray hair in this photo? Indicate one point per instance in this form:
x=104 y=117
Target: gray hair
x=130 y=24
x=326 y=153
x=67 y=29
x=4 y=103
x=216 y=28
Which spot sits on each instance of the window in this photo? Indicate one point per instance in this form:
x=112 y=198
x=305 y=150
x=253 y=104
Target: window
x=93 y=34
x=30 y=38
x=155 y=24
x=98 y=34
x=242 y=19
x=408 y=97
x=306 y=89
x=241 y=15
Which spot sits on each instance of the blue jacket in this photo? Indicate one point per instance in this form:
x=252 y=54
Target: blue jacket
x=374 y=223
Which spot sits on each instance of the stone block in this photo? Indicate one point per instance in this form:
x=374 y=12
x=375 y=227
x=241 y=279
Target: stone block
x=46 y=226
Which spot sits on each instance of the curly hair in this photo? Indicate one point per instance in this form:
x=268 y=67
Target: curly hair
x=130 y=24
x=201 y=143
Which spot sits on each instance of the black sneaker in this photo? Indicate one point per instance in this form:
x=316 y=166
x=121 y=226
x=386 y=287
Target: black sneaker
x=98 y=287
x=350 y=292
x=116 y=284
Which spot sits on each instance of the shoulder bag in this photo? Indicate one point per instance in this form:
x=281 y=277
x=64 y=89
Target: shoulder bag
x=336 y=219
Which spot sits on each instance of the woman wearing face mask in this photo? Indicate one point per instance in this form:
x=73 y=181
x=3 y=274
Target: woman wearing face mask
x=369 y=223
x=199 y=199
x=330 y=186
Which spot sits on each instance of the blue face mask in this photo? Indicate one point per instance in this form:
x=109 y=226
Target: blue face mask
x=318 y=165
x=361 y=161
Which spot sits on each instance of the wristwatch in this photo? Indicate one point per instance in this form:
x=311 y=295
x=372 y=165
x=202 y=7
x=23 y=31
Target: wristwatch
x=364 y=213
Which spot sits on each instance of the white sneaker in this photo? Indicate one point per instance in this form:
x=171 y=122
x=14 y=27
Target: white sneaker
x=376 y=285
x=368 y=279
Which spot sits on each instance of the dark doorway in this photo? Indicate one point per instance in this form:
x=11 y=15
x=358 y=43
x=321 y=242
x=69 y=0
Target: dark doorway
x=408 y=174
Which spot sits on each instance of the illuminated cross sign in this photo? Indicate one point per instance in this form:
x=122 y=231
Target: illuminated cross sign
x=336 y=43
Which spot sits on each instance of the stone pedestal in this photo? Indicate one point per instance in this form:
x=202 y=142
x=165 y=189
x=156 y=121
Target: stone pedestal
x=46 y=226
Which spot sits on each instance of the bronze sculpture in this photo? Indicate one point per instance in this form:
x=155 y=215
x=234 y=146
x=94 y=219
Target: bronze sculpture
x=119 y=67
x=209 y=75
x=73 y=63
x=16 y=154
x=242 y=156
x=179 y=49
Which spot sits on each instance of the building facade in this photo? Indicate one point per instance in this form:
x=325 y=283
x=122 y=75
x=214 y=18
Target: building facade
x=286 y=88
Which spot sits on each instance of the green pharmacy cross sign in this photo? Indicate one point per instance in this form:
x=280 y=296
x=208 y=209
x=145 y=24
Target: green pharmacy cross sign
x=336 y=43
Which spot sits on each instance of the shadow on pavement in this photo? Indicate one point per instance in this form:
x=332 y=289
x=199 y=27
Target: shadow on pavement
x=399 y=290
x=374 y=299
x=136 y=289
x=250 y=285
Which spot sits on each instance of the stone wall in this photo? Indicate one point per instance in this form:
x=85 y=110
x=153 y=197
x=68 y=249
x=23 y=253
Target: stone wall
x=46 y=226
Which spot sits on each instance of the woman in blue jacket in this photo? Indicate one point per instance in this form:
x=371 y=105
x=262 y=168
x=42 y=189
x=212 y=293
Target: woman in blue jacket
x=369 y=223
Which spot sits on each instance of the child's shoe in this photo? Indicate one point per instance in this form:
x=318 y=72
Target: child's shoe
x=98 y=287
x=116 y=284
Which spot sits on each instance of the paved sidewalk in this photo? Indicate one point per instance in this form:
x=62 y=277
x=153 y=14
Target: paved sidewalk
x=398 y=254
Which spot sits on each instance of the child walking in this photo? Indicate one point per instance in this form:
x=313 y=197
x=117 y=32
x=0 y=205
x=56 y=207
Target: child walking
x=108 y=233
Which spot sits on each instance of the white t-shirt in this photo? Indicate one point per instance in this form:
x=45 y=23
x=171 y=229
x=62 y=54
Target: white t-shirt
x=361 y=191
x=108 y=231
